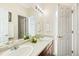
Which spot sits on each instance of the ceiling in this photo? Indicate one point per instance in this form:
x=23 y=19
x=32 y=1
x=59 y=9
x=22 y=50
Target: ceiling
x=41 y=5
x=25 y=5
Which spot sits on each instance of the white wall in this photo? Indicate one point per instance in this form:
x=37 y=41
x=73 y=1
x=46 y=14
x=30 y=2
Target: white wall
x=48 y=20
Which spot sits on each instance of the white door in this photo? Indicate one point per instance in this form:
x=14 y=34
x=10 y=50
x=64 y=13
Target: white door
x=77 y=39
x=3 y=25
x=32 y=25
x=76 y=31
x=64 y=31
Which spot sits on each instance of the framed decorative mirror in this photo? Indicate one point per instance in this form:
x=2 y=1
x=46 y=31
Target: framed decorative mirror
x=10 y=16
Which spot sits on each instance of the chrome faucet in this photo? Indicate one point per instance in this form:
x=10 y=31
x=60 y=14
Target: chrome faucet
x=14 y=47
x=10 y=40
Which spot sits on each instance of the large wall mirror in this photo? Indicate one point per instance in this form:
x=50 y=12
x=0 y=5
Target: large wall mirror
x=22 y=26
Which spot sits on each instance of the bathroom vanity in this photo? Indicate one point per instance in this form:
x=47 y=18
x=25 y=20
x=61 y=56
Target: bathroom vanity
x=43 y=47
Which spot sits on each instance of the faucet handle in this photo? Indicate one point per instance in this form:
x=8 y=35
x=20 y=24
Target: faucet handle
x=11 y=38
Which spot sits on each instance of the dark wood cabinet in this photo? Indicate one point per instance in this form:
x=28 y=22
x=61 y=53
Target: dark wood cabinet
x=48 y=51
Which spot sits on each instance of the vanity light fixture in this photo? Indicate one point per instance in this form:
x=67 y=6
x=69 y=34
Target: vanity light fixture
x=39 y=9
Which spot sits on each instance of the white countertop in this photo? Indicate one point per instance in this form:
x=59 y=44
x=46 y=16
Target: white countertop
x=39 y=46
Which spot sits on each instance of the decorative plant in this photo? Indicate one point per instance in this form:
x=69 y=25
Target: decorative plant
x=35 y=38
x=26 y=36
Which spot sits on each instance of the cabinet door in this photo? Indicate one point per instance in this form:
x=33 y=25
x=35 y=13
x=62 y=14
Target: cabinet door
x=3 y=25
x=48 y=51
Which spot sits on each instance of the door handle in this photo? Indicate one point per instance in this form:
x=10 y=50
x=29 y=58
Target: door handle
x=60 y=36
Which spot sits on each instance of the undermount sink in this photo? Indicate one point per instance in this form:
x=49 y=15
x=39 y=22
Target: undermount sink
x=46 y=38
x=23 y=50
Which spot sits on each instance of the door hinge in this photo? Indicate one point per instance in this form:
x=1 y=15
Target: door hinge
x=72 y=11
x=72 y=51
x=72 y=31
